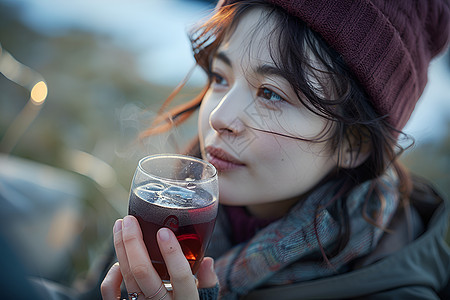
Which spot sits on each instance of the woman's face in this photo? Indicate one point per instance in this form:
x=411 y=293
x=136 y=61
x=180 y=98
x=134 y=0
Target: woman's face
x=247 y=124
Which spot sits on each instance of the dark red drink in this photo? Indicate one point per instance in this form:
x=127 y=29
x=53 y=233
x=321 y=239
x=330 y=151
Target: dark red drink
x=191 y=218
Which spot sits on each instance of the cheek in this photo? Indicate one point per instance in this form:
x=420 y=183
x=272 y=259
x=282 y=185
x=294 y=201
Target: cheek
x=298 y=160
x=289 y=120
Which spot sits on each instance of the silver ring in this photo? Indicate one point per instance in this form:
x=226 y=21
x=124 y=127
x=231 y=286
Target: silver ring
x=157 y=292
x=134 y=296
x=164 y=296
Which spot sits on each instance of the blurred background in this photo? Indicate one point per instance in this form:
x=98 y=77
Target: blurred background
x=78 y=81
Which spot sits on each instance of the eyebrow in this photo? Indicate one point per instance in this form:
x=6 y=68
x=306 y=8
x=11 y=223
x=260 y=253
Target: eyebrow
x=265 y=69
x=224 y=58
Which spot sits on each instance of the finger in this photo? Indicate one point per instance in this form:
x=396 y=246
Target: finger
x=206 y=275
x=183 y=282
x=121 y=254
x=139 y=262
x=110 y=287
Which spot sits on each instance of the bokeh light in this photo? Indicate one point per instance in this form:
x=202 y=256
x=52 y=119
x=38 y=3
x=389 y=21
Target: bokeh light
x=39 y=93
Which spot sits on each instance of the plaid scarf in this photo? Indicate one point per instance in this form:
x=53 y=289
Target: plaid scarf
x=288 y=250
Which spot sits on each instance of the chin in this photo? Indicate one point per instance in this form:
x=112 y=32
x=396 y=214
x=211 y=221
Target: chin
x=230 y=202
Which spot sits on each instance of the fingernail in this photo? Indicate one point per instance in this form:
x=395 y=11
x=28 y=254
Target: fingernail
x=164 y=234
x=209 y=261
x=127 y=222
x=117 y=226
x=212 y=265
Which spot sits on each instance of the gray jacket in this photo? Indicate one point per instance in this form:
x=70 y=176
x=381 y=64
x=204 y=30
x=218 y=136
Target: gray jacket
x=397 y=269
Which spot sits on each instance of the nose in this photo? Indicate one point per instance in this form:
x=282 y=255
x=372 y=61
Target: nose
x=229 y=114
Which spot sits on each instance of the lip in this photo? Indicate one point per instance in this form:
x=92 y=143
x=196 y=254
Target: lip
x=222 y=160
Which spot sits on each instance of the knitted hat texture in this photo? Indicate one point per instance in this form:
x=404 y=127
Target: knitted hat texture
x=388 y=44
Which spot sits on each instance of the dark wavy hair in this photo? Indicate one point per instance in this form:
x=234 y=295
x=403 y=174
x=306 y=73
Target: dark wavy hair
x=355 y=121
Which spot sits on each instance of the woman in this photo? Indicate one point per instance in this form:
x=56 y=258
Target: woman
x=301 y=117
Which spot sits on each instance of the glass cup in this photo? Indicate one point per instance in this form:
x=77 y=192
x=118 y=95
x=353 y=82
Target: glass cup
x=178 y=192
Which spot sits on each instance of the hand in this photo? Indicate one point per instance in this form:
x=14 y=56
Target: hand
x=140 y=277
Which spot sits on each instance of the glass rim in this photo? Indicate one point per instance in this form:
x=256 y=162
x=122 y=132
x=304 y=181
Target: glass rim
x=173 y=155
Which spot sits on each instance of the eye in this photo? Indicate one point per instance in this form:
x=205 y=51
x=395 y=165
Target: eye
x=218 y=80
x=269 y=95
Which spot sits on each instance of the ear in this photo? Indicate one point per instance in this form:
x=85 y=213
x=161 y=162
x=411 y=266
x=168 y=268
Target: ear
x=356 y=148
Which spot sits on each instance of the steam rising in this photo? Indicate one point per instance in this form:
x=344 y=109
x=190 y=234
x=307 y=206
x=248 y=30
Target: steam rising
x=134 y=119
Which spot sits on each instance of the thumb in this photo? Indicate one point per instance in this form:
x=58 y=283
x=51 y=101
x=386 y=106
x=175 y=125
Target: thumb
x=206 y=276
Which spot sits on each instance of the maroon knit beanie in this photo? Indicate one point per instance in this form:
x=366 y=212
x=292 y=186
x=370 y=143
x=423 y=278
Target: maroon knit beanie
x=388 y=44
